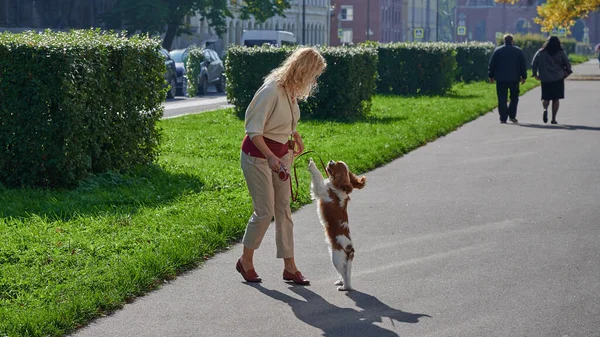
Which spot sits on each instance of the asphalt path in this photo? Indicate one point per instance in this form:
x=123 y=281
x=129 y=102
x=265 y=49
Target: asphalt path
x=179 y=106
x=492 y=230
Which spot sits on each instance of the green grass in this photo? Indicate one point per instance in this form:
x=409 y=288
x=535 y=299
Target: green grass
x=69 y=256
x=577 y=59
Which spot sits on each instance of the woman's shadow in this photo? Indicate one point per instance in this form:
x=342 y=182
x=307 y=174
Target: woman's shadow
x=336 y=321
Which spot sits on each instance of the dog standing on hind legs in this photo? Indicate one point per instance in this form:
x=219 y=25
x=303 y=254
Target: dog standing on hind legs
x=333 y=195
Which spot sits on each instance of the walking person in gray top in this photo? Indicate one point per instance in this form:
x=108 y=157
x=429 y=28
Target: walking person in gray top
x=507 y=68
x=553 y=66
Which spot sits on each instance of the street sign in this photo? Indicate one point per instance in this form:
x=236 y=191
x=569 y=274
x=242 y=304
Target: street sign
x=499 y=35
x=461 y=30
x=419 y=33
x=586 y=35
x=340 y=33
x=560 y=32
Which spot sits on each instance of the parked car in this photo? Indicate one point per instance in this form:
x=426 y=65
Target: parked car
x=213 y=73
x=180 y=56
x=170 y=73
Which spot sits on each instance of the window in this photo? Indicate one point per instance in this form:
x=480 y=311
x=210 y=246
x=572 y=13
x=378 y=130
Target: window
x=208 y=57
x=214 y=55
x=346 y=35
x=347 y=13
x=165 y=53
x=480 y=3
x=258 y=43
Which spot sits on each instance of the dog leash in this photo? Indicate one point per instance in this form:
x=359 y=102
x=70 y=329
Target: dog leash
x=295 y=196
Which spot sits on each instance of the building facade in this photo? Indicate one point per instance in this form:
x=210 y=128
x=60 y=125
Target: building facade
x=481 y=20
x=332 y=22
x=62 y=15
x=421 y=20
x=313 y=13
x=356 y=21
x=484 y=20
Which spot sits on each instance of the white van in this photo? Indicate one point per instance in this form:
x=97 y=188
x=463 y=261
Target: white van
x=278 y=38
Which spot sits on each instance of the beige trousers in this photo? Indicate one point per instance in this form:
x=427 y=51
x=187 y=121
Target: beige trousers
x=270 y=198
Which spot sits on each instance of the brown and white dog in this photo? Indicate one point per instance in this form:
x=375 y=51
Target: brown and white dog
x=333 y=195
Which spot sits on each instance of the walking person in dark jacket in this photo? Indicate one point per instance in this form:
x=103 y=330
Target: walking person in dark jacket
x=507 y=68
x=553 y=66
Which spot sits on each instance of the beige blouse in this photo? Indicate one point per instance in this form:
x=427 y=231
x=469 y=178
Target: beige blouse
x=271 y=114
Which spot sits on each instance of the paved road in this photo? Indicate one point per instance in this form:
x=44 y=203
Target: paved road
x=493 y=230
x=180 y=106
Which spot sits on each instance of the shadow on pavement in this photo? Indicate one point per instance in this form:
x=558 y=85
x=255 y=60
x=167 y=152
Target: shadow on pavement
x=560 y=126
x=375 y=310
x=336 y=321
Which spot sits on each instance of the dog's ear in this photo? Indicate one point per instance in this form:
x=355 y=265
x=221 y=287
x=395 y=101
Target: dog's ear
x=357 y=182
x=342 y=182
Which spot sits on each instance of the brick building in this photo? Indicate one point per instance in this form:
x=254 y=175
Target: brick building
x=355 y=21
x=482 y=19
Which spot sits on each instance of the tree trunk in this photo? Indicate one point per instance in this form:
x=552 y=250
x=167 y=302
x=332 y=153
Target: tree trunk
x=170 y=35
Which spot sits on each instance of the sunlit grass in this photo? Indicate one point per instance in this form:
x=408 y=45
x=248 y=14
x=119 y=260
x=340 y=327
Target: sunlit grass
x=576 y=58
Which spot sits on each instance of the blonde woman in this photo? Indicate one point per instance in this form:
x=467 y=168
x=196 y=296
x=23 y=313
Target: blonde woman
x=271 y=141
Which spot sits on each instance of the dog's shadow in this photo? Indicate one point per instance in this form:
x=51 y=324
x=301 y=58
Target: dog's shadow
x=312 y=309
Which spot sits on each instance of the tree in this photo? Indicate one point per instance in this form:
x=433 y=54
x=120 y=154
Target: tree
x=561 y=13
x=446 y=23
x=167 y=16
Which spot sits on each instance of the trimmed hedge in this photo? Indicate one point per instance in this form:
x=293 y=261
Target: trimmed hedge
x=472 y=59
x=416 y=68
x=246 y=68
x=531 y=43
x=344 y=89
x=77 y=103
x=347 y=85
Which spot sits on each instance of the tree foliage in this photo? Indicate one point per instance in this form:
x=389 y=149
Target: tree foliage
x=446 y=20
x=167 y=16
x=561 y=13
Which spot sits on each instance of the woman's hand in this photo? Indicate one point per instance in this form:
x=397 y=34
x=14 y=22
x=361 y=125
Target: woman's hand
x=274 y=163
x=299 y=148
x=272 y=160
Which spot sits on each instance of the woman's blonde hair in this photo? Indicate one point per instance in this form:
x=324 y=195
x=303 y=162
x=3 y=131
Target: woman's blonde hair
x=298 y=73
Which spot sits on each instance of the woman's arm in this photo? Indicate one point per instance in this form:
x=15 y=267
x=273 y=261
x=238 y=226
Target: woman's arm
x=272 y=159
x=534 y=65
x=567 y=63
x=299 y=148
